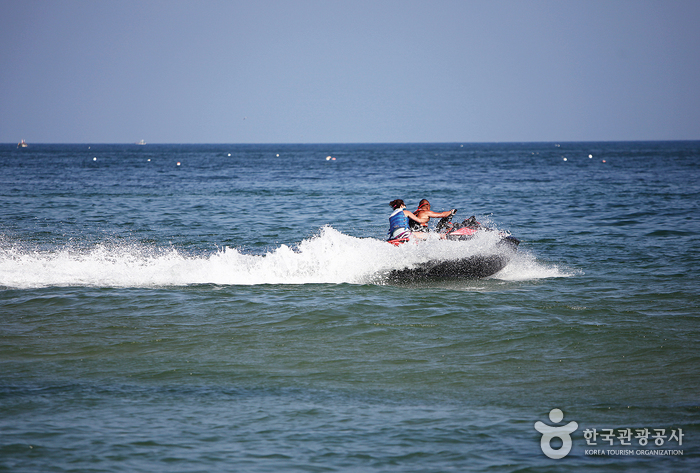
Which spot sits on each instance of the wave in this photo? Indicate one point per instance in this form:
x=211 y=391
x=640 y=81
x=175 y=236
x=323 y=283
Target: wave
x=328 y=257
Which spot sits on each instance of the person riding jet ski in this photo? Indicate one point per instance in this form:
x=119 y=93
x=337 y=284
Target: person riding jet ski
x=400 y=221
x=423 y=215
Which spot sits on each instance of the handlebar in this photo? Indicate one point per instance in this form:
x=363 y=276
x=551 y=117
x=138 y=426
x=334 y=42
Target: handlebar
x=445 y=220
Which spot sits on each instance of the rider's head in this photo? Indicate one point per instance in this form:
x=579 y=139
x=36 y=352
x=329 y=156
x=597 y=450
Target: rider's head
x=398 y=203
x=424 y=205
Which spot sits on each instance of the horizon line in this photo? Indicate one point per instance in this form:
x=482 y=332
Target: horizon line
x=353 y=142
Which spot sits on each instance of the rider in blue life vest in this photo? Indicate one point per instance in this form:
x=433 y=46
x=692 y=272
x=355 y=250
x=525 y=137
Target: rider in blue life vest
x=399 y=220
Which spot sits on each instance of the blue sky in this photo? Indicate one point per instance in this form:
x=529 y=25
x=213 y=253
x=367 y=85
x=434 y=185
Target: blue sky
x=300 y=71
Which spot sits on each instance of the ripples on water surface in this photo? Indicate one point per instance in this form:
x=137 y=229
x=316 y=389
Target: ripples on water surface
x=231 y=312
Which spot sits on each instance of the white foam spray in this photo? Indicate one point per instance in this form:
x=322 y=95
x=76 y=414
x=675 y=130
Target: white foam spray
x=328 y=257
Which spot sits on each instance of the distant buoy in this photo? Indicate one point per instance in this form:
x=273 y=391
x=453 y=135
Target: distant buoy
x=603 y=160
x=229 y=154
x=278 y=155
x=565 y=159
x=94 y=159
x=178 y=163
x=328 y=158
x=149 y=160
x=590 y=156
x=333 y=159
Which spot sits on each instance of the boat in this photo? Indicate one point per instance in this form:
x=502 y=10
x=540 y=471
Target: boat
x=472 y=267
x=22 y=144
x=141 y=143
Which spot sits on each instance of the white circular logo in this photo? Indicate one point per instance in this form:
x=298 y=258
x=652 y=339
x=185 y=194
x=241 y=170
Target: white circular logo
x=549 y=432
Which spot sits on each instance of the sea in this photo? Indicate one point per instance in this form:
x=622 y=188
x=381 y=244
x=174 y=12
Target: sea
x=204 y=308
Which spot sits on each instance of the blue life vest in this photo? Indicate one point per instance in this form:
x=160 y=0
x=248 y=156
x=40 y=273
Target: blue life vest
x=398 y=223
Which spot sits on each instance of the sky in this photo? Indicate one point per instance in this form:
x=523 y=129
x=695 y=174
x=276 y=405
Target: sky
x=379 y=71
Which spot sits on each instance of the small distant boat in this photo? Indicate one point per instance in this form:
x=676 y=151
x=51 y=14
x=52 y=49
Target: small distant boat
x=142 y=142
x=22 y=144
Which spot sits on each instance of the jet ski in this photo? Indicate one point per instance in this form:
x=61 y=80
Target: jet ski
x=473 y=267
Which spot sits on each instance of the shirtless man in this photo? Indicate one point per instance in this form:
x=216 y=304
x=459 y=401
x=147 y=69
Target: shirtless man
x=423 y=215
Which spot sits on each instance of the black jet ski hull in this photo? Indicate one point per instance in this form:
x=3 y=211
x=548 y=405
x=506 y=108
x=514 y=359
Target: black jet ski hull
x=472 y=267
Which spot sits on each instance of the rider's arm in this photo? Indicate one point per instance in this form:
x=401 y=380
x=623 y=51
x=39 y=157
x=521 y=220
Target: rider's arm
x=412 y=216
x=447 y=213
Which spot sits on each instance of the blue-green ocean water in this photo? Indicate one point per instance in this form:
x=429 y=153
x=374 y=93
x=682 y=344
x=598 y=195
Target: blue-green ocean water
x=231 y=312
